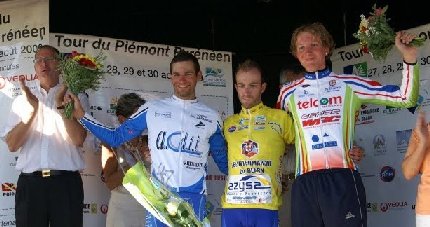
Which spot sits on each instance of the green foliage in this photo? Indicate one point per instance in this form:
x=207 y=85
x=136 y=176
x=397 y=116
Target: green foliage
x=376 y=36
x=78 y=77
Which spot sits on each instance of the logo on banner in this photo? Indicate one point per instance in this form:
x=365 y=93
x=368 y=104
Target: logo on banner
x=112 y=105
x=8 y=189
x=384 y=207
x=402 y=140
x=387 y=173
x=365 y=115
x=104 y=208
x=379 y=146
x=213 y=77
x=90 y=208
x=359 y=69
x=372 y=207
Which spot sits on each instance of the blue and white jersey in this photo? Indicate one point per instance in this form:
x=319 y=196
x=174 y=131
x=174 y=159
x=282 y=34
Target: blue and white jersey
x=180 y=135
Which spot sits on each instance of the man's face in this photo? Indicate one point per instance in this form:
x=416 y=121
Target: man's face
x=46 y=66
x=249 y=87
x=184 y=79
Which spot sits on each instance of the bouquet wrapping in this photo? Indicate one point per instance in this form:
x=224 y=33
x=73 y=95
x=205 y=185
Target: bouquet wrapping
x=376 y=36
x=80 y=72
x=163 y=204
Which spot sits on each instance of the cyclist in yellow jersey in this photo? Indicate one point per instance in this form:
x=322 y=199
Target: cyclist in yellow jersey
x=256 y=139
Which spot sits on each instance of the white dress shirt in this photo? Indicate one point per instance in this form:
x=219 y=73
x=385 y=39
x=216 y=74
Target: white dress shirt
x=48 y=146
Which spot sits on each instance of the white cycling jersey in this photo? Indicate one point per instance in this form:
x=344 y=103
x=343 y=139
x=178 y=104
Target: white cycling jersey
x=180 y=135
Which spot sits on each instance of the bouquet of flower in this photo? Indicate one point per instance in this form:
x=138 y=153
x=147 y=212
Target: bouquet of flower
x=80 y=72
x=376 y=36
x=165 y=205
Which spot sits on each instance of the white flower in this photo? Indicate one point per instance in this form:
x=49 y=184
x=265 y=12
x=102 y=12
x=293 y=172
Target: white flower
x=172 y=207
x=364 y=22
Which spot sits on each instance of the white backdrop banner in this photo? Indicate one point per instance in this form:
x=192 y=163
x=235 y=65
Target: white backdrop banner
x=384 y=133
x=24 y=25
x=132 y=67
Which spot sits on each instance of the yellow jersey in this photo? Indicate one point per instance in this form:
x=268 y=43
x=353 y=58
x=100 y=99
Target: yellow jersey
x=256 y=139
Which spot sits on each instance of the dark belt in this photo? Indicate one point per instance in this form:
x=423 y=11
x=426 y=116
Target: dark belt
x=50 y=172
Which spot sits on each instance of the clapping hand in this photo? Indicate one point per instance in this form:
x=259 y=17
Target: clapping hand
x=422 y=129
x=31 y=99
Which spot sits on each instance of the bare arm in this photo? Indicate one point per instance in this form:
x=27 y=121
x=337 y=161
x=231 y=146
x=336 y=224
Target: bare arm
x=417 y=149
x=74 y=129
x=112 y=175
x=18 y=135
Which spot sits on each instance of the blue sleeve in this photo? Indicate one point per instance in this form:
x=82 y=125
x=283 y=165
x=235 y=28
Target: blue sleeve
x=114 y=137
x=218 y=150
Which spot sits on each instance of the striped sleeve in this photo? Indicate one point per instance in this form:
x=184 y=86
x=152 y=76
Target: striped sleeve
x=370 y=91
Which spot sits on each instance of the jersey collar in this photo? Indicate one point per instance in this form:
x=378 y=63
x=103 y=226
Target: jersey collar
x=175 y=98
x=254 y=109
x=318 y=74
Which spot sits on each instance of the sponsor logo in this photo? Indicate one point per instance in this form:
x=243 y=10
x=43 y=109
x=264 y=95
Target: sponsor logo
x=260 y=120
x=201 y=117
x=275 y=126
x=359 y=69
x=379 y=146
x=104 y=208
x=193 y=165
x=164 y=115
x=384 y=207
x=387 y=173
x=90 y=208
x=7 y=223
x=324 y=102
x=349 y=215
x=321 y=113
x=178 y=142
x=321 y=120
x=200 y=125
x=317 y=145
x=112 y=106
x=372 y=207
x=402 y=138
x=250 y=182
x=249 y=148
x=232 y=129
x=214 y=77
x=8 y=189
x=391 y=110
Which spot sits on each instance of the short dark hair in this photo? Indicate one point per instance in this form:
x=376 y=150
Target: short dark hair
x=294 y=68
x=248 y=65
x=128 y=104
x=49 y=47
x=185 y=56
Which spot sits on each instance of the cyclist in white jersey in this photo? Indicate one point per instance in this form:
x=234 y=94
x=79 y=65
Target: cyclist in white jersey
x=328 y=190
x=181 y=133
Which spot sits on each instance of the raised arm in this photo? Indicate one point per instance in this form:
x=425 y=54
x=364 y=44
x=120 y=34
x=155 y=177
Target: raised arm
x=76 y=132
x=419 y=146
x=19 y=134
x=113 y=137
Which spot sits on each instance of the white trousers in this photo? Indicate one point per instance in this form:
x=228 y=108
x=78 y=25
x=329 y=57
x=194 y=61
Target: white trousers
x=124 y=210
